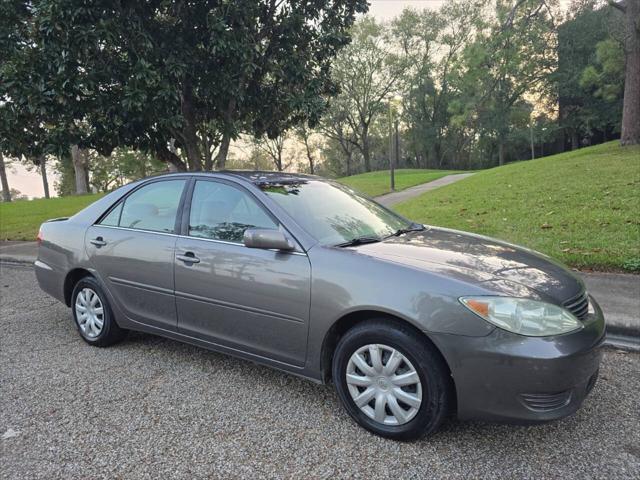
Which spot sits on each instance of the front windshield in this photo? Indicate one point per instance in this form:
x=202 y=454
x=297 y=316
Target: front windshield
x=333 y=214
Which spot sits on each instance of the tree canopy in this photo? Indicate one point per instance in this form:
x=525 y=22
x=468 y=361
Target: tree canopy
x=178 y=79
x=107 y=85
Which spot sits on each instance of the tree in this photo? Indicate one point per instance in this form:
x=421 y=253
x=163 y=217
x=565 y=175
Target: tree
x=367 y=71
x=12 y=194
x=40 y=164
x=513 y=54
x=253 y=158
x=602 y=84
x=28 y=103
x=431 y=42
x=304 y=134
x=193 y=75
x=605 y=77
x=273 y=148
x=337 y=130
x=586 y=41
x=122 y=166
x=80 y=161
x=6 y=191
x=65 y=184
x=630 y=131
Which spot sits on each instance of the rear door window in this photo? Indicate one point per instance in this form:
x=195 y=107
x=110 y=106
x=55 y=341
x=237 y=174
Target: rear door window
x=113 y=218
x=153 y=207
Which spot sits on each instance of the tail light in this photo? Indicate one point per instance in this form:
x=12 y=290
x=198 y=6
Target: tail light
x=39 y=237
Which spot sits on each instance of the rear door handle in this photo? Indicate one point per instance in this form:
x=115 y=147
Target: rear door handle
x=188 y=257
x=98 y=242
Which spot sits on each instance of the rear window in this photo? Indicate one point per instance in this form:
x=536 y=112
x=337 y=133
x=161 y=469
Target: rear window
x=153 y=207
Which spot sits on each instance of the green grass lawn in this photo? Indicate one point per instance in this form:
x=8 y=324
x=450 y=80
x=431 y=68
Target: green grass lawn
x=20 y=220
x=378 y=183
x=582 y=207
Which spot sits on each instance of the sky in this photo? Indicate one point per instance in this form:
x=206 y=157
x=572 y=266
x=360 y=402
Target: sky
x=29 y=183
x=387 y=9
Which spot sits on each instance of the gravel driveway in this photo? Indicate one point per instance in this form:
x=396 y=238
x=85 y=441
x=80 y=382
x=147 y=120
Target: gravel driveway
x=154 y=408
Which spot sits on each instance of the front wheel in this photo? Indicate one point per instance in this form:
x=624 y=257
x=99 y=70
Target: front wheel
x=391 y=380
x=93 y=316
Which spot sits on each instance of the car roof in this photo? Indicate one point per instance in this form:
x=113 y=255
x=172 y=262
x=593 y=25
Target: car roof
x=262 y=177
x=257 y=177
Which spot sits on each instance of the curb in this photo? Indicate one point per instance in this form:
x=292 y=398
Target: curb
x=622 y=338
x=623 y=331
x=622 y=342
x=17 y=261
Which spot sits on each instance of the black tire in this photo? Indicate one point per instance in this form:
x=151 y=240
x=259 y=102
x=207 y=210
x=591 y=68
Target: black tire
x=433 y=373
x=110 y=333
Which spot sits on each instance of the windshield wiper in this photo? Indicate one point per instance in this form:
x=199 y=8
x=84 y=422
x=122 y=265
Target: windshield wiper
x=358 y=241
x=414 y=227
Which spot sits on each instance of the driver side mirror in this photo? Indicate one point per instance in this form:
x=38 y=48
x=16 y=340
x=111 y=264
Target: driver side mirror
x=267 y=239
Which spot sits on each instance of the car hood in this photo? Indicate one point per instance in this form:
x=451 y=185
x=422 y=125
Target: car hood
x=498 y=266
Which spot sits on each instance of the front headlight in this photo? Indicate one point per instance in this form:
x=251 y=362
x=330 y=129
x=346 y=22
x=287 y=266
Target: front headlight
x=523 y=316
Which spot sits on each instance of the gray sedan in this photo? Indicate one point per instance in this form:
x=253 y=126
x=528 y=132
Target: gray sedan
x=413 y=323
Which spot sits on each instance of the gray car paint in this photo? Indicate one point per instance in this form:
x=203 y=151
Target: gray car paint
x=137 y=267
x=417 y=277
x=258 y=298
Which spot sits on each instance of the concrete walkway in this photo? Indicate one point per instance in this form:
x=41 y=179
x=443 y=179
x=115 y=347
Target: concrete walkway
x=619 y=296
x=396 y=197
x=18 y=252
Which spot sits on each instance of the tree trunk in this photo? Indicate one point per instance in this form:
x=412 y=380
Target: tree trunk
x=312 y=168
x=366 y=153
x=575 y=141
x=169 y=156
x=533 y=149
x=223 y=151
x=309 y=155
x=500 y=152
x=221 y=158
x=208 y=156
x=630 y=134
x=6 y=193
x=79 y=160
x=398 y=153
x=433 y=161
x=43 y=170
x=189 y=131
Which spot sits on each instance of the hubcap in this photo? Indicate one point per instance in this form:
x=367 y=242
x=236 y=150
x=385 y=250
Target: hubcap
x=89 y=312
x=384 y=384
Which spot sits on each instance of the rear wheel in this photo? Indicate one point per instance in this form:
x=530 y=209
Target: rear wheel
x=391 y=380
x=93 y=315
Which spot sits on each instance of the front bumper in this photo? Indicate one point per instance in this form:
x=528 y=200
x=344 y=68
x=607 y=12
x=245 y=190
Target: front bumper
x=511 y=378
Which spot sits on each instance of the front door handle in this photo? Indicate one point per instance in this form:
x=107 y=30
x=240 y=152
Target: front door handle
x=188 y=257
x=98 y=242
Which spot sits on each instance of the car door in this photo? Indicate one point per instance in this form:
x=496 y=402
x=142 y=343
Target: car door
x=132 y=248
x=246 y=299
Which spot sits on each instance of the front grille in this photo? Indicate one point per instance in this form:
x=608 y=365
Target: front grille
x=578 y=305
x=545 y=402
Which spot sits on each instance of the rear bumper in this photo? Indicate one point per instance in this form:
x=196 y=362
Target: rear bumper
x=510 y=378
x=49 y=279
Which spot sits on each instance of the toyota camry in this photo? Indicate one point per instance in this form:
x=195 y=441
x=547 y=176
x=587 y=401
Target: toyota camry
x=412 y=323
